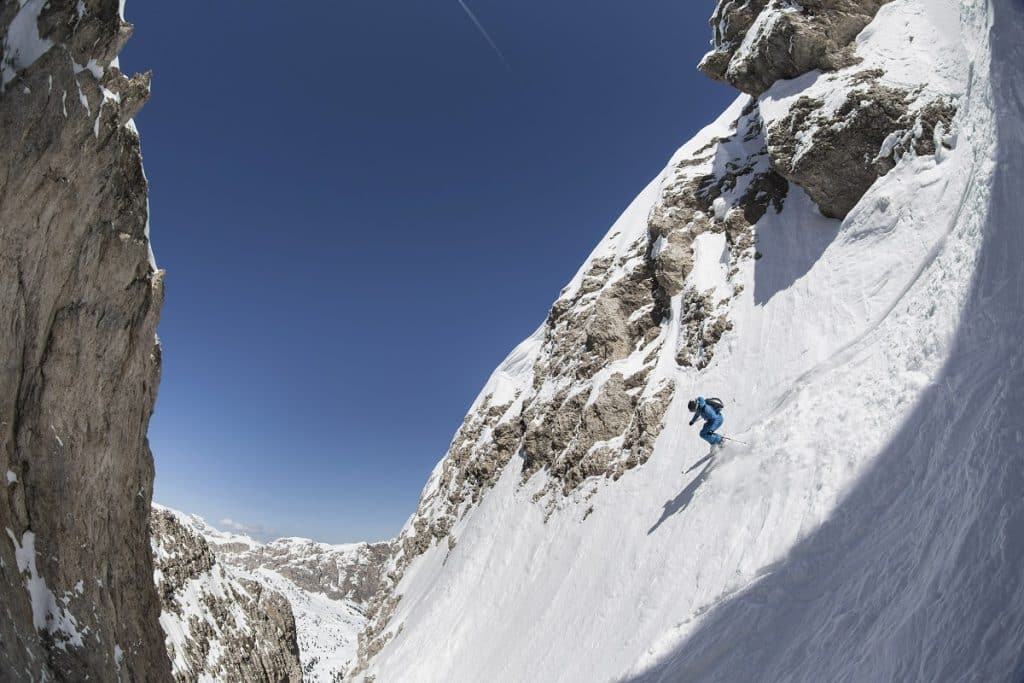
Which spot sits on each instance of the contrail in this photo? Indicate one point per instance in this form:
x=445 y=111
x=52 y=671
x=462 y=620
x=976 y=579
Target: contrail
x=486 y=35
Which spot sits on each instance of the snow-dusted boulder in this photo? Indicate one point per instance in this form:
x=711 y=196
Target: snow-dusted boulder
x=835 y=147
x=840 y=104
x=757 y=42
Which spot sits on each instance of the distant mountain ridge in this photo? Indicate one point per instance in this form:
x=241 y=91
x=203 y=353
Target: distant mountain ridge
x=314 y=593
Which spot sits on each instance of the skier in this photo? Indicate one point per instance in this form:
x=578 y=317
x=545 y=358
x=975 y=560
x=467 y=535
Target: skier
x=710 y=410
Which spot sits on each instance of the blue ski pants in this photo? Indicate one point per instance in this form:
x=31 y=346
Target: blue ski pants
x=708 y=431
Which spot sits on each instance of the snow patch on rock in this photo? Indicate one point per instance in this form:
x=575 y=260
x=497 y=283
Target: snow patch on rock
x=48 y=615
x=22 y=44
x=711 y=265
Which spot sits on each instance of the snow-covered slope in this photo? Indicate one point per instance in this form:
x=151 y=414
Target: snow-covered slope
x=326 y=587
x=871 y=528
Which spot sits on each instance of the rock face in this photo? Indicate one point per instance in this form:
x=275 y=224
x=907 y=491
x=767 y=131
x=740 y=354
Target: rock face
x=758 y=42
x=832 y=134
x=836 y=150
x=79 y=299
x=326 y=587
x=219 y=624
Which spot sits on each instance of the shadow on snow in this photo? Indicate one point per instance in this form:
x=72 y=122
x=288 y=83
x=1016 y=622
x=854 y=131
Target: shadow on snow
x=685 y=497
x=788 y=248
x=919 y=573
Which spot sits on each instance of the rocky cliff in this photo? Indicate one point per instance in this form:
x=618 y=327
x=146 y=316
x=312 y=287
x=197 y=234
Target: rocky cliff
x=759 y=42
x=833 y=101
x=313 y=595
x=849 y=115
x=219 y=624
x=79 y=299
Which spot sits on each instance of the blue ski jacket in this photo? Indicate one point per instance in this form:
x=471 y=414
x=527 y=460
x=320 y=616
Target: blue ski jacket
x=704 y=411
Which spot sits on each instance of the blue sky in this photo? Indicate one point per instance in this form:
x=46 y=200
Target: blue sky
x=361 y=210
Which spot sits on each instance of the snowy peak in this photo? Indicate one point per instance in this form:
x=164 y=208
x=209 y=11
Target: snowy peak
x=219 y=540
x=582 y=402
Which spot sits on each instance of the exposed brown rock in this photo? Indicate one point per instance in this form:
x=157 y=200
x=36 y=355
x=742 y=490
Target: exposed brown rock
x=757 y=42
x=563 y=441
x=835 y=157
x=702 y=326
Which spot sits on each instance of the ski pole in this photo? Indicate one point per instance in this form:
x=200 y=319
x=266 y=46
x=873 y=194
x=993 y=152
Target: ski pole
x=735 y=440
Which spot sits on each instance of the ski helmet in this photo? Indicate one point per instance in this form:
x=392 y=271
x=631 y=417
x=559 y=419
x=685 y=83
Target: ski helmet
x=692 y=405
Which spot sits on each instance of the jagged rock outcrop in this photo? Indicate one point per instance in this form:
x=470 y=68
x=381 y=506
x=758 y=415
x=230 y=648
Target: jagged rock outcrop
x=835 y=153
x=725 y=189
x=79 y=299
x=218 y=624
x=832 y=134
x=566 y=419
x=758 y=42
